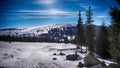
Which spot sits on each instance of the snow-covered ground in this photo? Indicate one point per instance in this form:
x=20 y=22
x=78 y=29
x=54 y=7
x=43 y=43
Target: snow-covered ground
x=37 y=55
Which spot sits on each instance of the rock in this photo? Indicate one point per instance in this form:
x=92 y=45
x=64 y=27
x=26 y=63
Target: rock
x=54 y=54
x=80 y=65
x=10 y=42
x=72 y=57
x=11 y=56
x=103 y=64
x=54 y=59
x=61 y=54
x=5 y=54
x=2 y=67
x=91 y=60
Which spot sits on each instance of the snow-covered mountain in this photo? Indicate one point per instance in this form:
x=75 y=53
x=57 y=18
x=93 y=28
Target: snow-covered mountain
x=57 y=31
x=35 y=31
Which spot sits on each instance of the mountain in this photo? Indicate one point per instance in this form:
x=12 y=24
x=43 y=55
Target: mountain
x=57 y=32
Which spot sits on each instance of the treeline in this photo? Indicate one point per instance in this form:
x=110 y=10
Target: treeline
x=23 y=39
x=35 y=39
x=107 y=42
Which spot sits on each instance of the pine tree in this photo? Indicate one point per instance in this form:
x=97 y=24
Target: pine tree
x=80 y=32
x=115 y=34
x=89 y=31
x=102 y=42
x=118 y=1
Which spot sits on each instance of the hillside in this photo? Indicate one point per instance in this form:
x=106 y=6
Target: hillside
x=59 y=32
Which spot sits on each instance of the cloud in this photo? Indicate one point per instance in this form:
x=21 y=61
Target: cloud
x=101 y=16
x=34 y=17
x=105 y=12
x=86 y=6
x=49 y=13
x=45 y=2
x=83 y=6
x=46 y=17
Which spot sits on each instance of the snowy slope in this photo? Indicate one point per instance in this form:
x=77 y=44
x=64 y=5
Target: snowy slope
x=61 y=30
x=37 y=55
x=34 y=31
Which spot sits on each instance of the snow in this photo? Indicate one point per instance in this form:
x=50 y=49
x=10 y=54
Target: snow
x=37 y=55
x=29 y=54
x=34 y=31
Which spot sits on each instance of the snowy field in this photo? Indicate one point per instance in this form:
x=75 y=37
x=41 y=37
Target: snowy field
x=34 y=55
x=37 y=55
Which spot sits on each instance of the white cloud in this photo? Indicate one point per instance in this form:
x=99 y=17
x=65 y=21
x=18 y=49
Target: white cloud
x=101 y=16
x=86 y=6
x=104 y=12
x=34 y=17
x=45 y=1
x=50 y=13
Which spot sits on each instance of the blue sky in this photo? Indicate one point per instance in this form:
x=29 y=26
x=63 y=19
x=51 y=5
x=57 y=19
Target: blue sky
x=31 y=13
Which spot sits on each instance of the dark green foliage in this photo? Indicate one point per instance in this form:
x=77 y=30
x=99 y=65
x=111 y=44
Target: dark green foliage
x=89 y=31
x=118 y=1
x=80 y=32
x=102 y=42
x=115 y=34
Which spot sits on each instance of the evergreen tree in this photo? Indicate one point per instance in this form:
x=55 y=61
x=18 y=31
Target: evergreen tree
x=80 y=32
x=115 y=34
x=89 y=31
x=118 y=1
x=102 y=42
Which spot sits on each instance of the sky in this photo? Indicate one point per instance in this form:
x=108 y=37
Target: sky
x=31 y=13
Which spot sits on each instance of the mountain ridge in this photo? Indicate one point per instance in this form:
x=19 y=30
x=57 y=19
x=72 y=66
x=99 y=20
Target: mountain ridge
x=50 y=32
